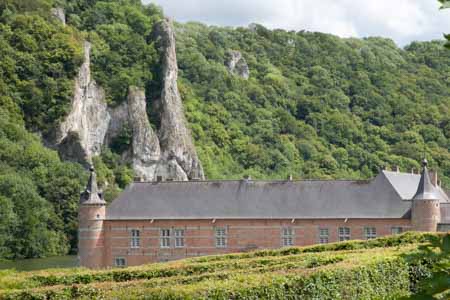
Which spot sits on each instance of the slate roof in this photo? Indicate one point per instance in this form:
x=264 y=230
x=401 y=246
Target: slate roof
x=406 y=185
x=92 y=194
x=386 y=196
x=426 y=190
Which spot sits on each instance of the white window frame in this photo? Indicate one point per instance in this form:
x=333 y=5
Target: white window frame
x=396 y=230
x=179 y=234
x=370 y=232
x=324 y=235
x=135 y=238
x=344 y=234
x=287 y=236
x=119 y=265
x=221 y=237
x=164 y=236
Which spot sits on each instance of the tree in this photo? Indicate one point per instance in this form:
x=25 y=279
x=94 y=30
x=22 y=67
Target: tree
x=446 y=4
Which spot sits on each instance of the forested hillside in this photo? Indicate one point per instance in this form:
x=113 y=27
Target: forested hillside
x=313 y=105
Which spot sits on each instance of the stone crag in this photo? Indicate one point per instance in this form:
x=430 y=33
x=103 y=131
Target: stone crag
x=236 y=64
x=81 y=135
x=175 y=138
x=167 y=153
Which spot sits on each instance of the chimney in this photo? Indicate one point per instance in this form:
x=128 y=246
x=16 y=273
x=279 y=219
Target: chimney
x=434 y=177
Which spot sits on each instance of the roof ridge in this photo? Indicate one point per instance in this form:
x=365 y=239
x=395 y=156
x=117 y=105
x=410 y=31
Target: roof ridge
x=253 y=180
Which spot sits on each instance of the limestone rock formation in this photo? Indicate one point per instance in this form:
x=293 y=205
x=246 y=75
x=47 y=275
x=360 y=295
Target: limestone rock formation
x=60 y=14
x=81 y=135
x=146 y=152
x=168 y=154
x=175 y=138
x=236 y=64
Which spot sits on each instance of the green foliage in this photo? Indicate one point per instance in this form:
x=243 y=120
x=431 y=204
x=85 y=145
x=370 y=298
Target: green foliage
x=122 y=141
x=315 y=105
x=124 y=53
x=437 y=285
x=38 y=195
x=39 y=61
x=112 y=175
x=386 y=268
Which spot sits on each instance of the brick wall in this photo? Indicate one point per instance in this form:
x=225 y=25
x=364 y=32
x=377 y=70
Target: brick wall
x=241 y=236
x=91 y=242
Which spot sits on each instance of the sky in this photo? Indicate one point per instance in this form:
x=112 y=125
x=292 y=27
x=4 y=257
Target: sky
x=401 y=20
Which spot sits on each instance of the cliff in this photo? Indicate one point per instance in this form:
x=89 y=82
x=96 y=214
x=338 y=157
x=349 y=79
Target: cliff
x=91 y=125
x=81 y=135
x=175 y=138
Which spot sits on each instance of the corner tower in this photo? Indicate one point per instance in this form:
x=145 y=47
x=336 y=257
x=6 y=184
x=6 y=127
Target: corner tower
x=426 y=212
x=91 y=214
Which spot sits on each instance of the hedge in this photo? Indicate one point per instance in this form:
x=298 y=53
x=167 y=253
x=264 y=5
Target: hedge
x=377 y=269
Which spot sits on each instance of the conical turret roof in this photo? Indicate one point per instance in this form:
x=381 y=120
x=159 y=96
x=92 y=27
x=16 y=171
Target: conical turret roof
x=92 y=194
x=426 y=190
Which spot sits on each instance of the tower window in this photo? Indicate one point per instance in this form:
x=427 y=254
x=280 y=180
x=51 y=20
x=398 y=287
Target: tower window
x=221 y=237
x=324 y=235
x=135 y=238
x=165 y=238
x=287 y=236
x=370 y=233
x=179 y=238
x=344 y=233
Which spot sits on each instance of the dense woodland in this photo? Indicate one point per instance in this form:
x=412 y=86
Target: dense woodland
x=315 y=106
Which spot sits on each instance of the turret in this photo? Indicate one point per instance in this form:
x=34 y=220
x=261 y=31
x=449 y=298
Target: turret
x=91 y=214
x=426 y=213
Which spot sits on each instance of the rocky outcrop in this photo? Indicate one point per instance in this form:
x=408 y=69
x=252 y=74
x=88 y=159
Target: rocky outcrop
x=175 y=139
x=168 y=154
x=60 y=14
x=146 y=152
x=236 y=64
x=146 y=157
x=81 y=135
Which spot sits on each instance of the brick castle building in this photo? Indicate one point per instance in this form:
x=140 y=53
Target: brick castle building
x=160 y=221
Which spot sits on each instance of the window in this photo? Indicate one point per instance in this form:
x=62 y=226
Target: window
x=287 y=236
x=179 y=238
x=165 y=238
x=221 y=237
x=135 y=238
x=370 y=233
x=120 y=262
x=396 y=230
x=344 y=233
x=323 y=235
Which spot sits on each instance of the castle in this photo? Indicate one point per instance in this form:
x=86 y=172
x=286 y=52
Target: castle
x=167 y=220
